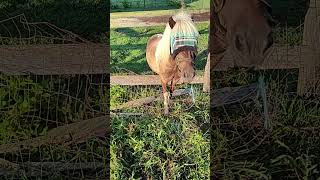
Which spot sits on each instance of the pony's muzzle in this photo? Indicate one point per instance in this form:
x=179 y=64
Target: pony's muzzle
x=187 y=77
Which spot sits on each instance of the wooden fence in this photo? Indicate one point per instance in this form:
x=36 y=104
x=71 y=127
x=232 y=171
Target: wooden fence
x=54 y=59
x=306 y=57
x=94 y=59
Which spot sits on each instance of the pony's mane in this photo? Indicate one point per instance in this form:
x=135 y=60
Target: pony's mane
x=184 y=25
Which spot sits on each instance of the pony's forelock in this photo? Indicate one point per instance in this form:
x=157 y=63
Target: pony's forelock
x=184 y=25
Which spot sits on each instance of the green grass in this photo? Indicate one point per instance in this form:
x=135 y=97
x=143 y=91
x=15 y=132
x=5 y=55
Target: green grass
x=31 y=106
x=128 y=48
x=243 y=149
x=156 y=146
x=115 y=15
x=200 y=4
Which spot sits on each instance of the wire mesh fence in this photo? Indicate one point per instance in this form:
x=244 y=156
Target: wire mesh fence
x=52 y=124
x=242 y=148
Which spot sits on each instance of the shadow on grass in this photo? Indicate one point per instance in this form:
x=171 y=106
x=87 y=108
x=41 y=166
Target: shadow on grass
x=133 y=33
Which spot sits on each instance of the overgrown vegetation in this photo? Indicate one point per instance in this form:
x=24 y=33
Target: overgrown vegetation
x=87 y=18
x=153 y=146
x=242 y=149
x=31 y=106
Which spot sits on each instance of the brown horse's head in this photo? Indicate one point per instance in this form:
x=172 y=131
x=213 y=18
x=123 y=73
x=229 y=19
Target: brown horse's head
x=185 y=65
x=184 y=55
x=248 y=29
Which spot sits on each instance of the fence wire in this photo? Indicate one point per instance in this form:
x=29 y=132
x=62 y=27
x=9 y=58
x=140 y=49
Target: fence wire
x=241 y=147
x=52 y=125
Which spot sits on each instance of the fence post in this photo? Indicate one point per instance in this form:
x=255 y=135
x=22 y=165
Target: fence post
x=309 y=71
x=206 y=78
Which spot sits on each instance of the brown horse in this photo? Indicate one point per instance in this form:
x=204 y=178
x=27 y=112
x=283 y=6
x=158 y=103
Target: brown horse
x=172 y=54
x=242 y=26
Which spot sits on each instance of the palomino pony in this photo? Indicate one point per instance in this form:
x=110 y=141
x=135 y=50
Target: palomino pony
x=242 y=26
x=172 y=54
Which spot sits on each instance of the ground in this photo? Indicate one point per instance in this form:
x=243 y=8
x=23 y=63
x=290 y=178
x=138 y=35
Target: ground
x=157 y=19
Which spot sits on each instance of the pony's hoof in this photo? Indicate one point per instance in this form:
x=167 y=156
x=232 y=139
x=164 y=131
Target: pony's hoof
x=166 y=112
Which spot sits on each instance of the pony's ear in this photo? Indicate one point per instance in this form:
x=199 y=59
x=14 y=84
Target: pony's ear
x=171 y=22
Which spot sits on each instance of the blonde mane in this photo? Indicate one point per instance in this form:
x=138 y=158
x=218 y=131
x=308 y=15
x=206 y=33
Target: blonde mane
x=184 y=25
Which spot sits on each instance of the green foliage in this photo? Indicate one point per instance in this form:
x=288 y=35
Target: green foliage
x=126 y=4
x=117 y=94
x=290 y=12
x=174 y=3
x=30 y=106
x=19 y=98
x=87 y=18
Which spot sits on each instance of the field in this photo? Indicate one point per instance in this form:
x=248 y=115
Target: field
x=150 y=144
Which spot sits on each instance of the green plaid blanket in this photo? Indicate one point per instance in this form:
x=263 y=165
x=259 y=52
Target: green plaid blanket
x=182 y=40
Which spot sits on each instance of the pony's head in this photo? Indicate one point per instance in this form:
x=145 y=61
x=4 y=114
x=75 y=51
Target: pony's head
x=248 y=25
x=183 y=45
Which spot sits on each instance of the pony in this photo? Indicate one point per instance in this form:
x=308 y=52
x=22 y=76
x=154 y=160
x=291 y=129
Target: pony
x=242 y=26
x=172 y=54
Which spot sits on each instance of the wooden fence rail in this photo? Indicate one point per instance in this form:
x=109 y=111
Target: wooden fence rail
x=54 y=59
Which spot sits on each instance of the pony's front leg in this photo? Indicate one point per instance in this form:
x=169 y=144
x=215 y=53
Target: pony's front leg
x=173 y=83
x=166 y=97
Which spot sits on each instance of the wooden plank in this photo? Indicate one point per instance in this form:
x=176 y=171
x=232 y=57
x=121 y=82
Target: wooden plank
x=63 y=135
x=138 y=80
x=230 y=95
x=309 y=75
x=281 y=57
x=93 y=59
x=54 y=59
x=150 y=99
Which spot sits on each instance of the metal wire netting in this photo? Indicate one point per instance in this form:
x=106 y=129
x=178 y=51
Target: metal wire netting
x=242 y=147
x=52 y=124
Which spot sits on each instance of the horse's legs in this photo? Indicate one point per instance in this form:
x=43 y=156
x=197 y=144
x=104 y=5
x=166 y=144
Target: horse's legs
x=166 y=97
x=173 y=83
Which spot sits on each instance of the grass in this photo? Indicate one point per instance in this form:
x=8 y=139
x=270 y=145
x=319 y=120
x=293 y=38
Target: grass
x=243 y=149
x=30 y=106
x=159 y=147
x=150 y=13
